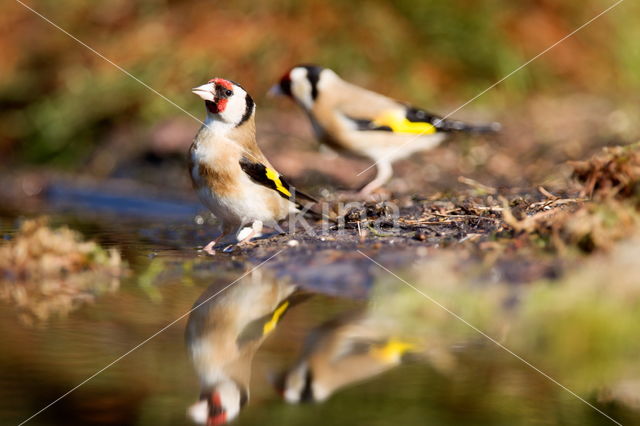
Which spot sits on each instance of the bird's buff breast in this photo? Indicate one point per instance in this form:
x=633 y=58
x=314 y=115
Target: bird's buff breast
x=233 y=197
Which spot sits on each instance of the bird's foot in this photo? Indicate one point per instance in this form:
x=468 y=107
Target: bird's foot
x=250 y=232
x=209 y=248
x=375 y=195
x=229 y=248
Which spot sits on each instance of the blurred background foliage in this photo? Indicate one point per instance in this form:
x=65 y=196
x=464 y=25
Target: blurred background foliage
x=59 y=101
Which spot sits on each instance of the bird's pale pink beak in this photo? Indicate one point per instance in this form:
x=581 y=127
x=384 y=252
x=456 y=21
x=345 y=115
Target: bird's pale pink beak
x=275 y=90
x=205 y=91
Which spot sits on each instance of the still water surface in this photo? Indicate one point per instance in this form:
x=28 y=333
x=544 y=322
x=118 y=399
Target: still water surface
x=280 y=343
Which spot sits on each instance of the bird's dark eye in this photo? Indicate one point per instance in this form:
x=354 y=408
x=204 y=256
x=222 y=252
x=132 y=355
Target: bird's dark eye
x=228 y=92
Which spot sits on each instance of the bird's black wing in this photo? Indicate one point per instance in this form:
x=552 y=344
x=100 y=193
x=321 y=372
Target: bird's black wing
x=260 y=327
x=270 y=178
x=408 y=119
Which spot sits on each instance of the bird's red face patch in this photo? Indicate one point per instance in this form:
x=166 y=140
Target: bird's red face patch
x=222 y=90
x=217 y=414
x=222 y=82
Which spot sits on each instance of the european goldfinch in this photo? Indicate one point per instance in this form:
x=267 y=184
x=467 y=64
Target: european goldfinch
x=340 y=352
x=229 y=172
x=353 y=120
x=223 y=333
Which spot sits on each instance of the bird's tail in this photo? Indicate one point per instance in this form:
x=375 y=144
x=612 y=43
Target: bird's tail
x=459 y=126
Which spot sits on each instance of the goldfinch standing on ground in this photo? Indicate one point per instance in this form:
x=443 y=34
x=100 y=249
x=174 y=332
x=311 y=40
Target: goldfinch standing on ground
x=229 y=172
x=360 y=122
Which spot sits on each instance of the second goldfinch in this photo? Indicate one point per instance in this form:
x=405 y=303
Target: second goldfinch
x=354 y=120
x=230 y=173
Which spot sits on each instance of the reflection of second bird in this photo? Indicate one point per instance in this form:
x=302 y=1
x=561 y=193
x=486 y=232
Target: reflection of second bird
x=357 y=121
x=341 y=352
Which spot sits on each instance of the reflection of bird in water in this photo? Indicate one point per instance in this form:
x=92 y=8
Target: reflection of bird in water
x=340 y=352
x=222 y=337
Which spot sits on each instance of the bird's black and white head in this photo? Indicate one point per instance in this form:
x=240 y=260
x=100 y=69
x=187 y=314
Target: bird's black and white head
x=302 y=83
x=218 y=404
x=227 y=102
x=298 y=385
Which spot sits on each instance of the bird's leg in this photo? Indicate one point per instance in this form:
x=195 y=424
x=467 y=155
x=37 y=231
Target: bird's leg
x=385 y=171
x=248 y=233
x=209 y=247
x=227 y=228
x=245 y=235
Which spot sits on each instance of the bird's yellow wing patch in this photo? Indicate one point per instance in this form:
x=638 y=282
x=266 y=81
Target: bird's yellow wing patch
x=274 y=177
x=397 y=121
x=392 y=350
x=275 y=317
x=271 y=179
